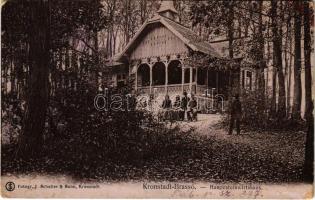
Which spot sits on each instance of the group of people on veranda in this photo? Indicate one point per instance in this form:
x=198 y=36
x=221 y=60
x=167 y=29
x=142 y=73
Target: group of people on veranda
x=182 y=108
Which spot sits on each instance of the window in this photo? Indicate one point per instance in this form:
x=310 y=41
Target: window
x=121 y=79
x=121 y=76
x=120 y=84
x=243 y=79
x=249 y=80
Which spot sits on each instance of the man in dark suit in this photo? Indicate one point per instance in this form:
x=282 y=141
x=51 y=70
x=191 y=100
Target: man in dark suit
x=236 y=114
x=184 y=105
x=177 y=108
x=167 y=105
x=192 y=109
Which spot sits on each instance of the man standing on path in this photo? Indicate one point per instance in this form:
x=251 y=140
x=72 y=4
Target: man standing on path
x=236 y=114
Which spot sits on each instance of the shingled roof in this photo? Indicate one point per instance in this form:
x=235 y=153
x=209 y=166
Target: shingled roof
x=194 y=40
x=190 y=38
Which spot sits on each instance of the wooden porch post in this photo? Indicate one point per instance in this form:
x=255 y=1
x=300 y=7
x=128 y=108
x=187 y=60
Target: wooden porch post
x=166 y=76
x=151 y=77
x=190 y=79
x=217 y=81
x=183 y=78
x=196 y=80
x=136 y=83
x=196 y=75
x=241 y=79
x=207 y=76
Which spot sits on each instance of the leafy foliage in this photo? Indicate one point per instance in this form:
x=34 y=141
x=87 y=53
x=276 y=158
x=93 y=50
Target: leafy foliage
x=257 y=114
x=160 y=154
x=86 y=143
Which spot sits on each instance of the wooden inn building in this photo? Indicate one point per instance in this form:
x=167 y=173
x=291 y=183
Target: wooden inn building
x=156 y=59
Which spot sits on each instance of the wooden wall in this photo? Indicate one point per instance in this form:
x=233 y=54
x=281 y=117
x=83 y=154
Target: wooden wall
x=158 y=42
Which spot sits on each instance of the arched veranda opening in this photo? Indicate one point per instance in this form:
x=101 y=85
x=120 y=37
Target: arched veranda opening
x=144 y=75
x=174 y=72
x=158 y=71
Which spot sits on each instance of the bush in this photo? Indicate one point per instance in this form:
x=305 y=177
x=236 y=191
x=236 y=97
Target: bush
x=81 y=141
x=257 y=114
x=255 y=109
x=100 y=146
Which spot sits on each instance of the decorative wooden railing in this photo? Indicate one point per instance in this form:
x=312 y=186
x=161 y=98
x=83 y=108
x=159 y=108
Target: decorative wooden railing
x=201 y=89
x=205 y=104
x=173 y=89
x=144 y=90
x=210 y=104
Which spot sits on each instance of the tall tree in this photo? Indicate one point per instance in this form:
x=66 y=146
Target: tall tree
x=128 y=19
x=309 y=146
x=277 y=45
x=307 y=58
x=296 y=110
x=288 y=53
x=143 y=8
x=230 y=27
x=37 y=92
x=260 y=56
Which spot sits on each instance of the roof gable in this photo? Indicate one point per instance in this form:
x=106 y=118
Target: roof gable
x=191 y=39
x=156 y=41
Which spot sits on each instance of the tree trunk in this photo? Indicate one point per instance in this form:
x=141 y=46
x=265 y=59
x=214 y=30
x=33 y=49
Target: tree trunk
x=277 y=45
x=273 y=106
x=231 y=29
x=230 y=33
x=288 y=63
x=309 y=146
x=308 y=167
x=143 y=11
x=261 y=76
x=31 y=140
x=96 y=57
x=307 y=55
x=5 y=78
x=296 y=110
x=12 y=69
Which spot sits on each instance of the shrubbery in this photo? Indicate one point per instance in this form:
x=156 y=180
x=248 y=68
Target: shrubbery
x=257 y=114
x=84 y=142
x=95 y=148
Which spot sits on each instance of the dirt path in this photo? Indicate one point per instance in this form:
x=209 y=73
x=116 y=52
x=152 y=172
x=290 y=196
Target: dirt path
x=286 y=146
x=204 y=125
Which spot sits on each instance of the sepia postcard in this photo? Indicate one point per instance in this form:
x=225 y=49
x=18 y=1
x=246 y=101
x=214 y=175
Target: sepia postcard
x=207 y=99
